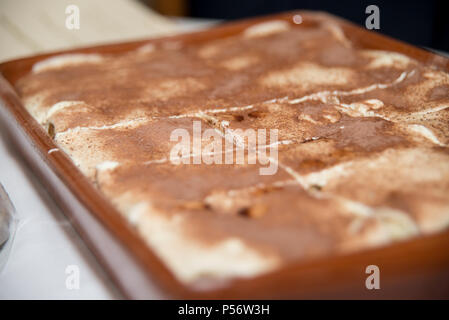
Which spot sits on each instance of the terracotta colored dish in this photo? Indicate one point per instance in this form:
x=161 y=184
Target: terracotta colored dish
x=361 y=83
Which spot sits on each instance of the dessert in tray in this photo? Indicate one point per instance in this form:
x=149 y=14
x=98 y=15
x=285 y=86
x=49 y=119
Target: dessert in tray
x=360 y=159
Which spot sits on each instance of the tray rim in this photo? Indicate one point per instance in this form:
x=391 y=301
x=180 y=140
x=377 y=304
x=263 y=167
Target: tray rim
x=310 y=274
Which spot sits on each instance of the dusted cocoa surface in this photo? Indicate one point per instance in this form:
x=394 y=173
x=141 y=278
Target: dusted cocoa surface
x=364 y=158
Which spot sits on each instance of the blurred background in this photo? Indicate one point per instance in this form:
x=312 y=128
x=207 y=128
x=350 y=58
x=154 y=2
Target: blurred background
x=31 y=27
x=423 y=23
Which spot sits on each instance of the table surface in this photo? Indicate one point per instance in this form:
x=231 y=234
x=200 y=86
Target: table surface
x=46 y=247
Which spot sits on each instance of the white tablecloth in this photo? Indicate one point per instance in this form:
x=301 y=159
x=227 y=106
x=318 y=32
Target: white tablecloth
x=45 y=243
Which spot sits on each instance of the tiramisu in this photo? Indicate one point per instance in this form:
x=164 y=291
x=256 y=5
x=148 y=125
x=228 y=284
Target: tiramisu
x=362 y=147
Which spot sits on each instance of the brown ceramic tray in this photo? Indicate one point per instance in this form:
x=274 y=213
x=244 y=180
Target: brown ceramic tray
x=417 y=268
